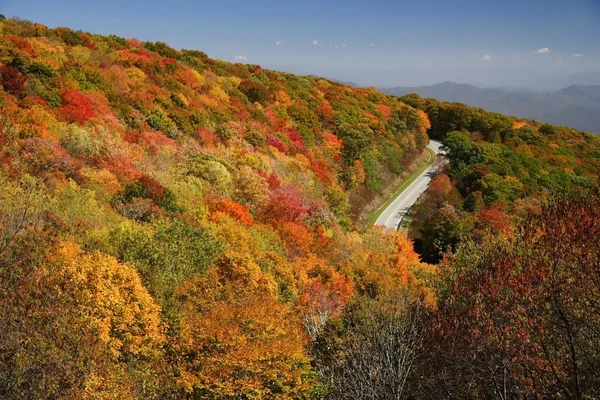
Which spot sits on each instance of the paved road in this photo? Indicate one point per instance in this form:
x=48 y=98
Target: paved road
x=392 y=216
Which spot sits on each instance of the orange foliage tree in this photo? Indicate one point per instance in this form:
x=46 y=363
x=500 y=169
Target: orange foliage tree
x=235 y=210
x=323 y=292
x=236 y=340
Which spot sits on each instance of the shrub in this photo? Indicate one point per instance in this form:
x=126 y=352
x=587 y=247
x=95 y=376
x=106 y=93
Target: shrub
x=76 y=107
x=256 y=92
x=147 y=188
x=12 y=81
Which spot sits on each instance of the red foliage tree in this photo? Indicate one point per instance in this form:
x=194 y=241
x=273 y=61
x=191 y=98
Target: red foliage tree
x=272 y=179
x=495 y=218
x=277 y=143
x=207 y=137
x=285 y=204
x=12 y=80
x=297 y=140
x=520 y=316
x=76 y=107
x=439 y=188
x=322 y=171
x=155 y=190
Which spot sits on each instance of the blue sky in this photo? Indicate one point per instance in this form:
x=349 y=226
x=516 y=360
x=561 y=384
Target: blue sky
x=352 y=35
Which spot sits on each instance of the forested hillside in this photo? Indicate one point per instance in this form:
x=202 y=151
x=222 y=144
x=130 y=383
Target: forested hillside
x=514 y=218
x=175 y=226
x=500 y=170
x=576 y=106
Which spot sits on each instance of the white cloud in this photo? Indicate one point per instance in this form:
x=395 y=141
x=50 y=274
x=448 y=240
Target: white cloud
x=277 y=43
x=487 y=57
x=241 y=59
x=371 y=44
x=315 y=42
x=577 y=55
x=344 y=45
x=543 y=50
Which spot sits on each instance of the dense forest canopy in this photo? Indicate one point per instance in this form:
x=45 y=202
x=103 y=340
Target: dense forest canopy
x=173 y=226
x=500 y=170
x=176 y=226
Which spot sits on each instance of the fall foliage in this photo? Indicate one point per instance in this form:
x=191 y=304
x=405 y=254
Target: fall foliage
x=519 y=315
x=173 y=226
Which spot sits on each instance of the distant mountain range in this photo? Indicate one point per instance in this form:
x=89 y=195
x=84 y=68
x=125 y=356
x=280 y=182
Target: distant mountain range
x=576 y=106
x=482 y=76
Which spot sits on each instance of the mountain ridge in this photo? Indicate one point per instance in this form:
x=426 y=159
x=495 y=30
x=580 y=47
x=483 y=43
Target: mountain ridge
x=575 y=106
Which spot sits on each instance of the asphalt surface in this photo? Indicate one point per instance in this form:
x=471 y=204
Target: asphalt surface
x=393 y=214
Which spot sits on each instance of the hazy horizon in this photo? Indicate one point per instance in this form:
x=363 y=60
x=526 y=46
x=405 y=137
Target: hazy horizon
x=498 y=77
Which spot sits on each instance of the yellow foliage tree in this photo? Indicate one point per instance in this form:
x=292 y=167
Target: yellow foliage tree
x=113 y=302
x=236 y=340
x=83 y=326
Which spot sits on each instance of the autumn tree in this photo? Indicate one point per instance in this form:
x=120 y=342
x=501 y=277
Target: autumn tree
x=236 y=340
x=21 y=209
x=148 y=188
x=166 y=253
x=255 y=91
x=12 y=81
x=251 y=188
x=370 y=352
x=286 y=203
x=72 y=320
x=235 y=210
x=440 y=233
x=76 y=107
x=517 y=315
x=323 y=291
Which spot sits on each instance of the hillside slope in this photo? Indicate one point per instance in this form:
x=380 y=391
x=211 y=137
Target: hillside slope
x=500 y=171
x=176 y=226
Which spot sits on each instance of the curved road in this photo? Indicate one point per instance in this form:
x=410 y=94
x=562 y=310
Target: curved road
x=392 y=216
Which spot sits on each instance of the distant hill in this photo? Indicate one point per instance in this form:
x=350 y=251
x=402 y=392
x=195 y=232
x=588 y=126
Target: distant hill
x=576 y=106
x=581 y=93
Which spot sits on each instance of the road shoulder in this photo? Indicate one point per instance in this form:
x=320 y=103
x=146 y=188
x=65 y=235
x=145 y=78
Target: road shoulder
x=374 y=216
